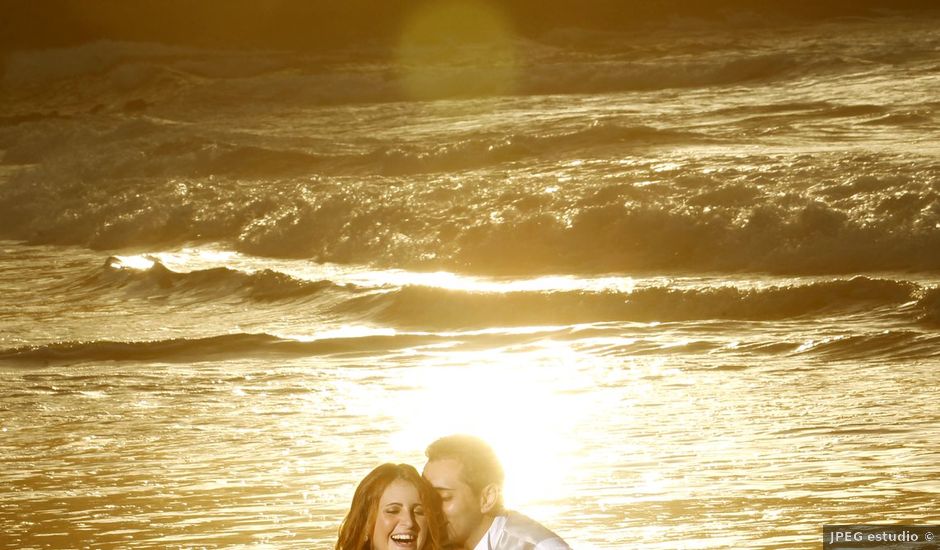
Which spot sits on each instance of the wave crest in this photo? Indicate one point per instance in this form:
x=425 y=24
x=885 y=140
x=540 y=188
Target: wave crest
x=437 y=309
x=264 y=285
x=208 y=348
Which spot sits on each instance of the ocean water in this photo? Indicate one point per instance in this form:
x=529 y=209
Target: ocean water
x=684 y=279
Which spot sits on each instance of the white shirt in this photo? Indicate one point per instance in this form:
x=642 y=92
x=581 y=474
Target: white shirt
x=499 y=523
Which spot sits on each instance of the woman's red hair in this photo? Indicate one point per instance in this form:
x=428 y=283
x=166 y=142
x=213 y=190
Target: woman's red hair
x=357 y=526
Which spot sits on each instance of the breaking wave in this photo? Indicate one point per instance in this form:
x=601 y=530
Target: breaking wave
x=264 y=285
x=790 y=218
x=434 y=308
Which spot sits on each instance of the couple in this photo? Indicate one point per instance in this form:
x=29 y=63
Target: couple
x=457 y=505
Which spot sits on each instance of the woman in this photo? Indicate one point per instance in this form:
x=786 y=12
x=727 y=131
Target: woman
x=394 y=508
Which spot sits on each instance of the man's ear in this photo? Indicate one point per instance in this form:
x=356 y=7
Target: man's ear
x=489 y=496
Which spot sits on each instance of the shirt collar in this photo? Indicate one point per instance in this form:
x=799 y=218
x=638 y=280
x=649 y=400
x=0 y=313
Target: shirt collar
x=492 y=534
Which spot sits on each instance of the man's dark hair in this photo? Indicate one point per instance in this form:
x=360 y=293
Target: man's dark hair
x=481 y=467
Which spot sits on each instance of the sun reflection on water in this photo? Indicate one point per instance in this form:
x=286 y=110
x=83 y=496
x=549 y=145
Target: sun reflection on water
x=528 y=410
x=139 y=262
x=208 y=257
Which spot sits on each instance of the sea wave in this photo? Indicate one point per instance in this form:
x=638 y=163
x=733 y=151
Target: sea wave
x=895 y=345
x=928 y=306
x=398 y=301
x=206 y=284
x=482 y=152
x=433 y=308
x=119 y=78
x=208 y=348
x=109 y=78
x=631 y=340
x=112 y=75
x=439 y=309
x=839 y=213
x=149 y=148
x=296 y=24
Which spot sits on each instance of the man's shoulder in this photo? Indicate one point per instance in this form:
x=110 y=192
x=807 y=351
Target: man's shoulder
x=523 y=527
x=552 y=544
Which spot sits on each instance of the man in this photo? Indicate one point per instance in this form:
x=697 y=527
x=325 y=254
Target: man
x=469 y=478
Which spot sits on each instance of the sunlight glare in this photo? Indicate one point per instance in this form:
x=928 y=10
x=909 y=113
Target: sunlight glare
x=344 y=331
x=515 y=406
x=452 y=281
x=139 y=263
x=440 y=36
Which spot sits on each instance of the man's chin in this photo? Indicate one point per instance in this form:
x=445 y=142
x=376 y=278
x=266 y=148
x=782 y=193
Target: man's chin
x=451 y=541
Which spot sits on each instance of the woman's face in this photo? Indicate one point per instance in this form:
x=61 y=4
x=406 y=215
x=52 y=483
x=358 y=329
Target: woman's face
x=400 y=523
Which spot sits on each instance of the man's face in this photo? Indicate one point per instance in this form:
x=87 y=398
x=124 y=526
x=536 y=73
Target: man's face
x=461 y=505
